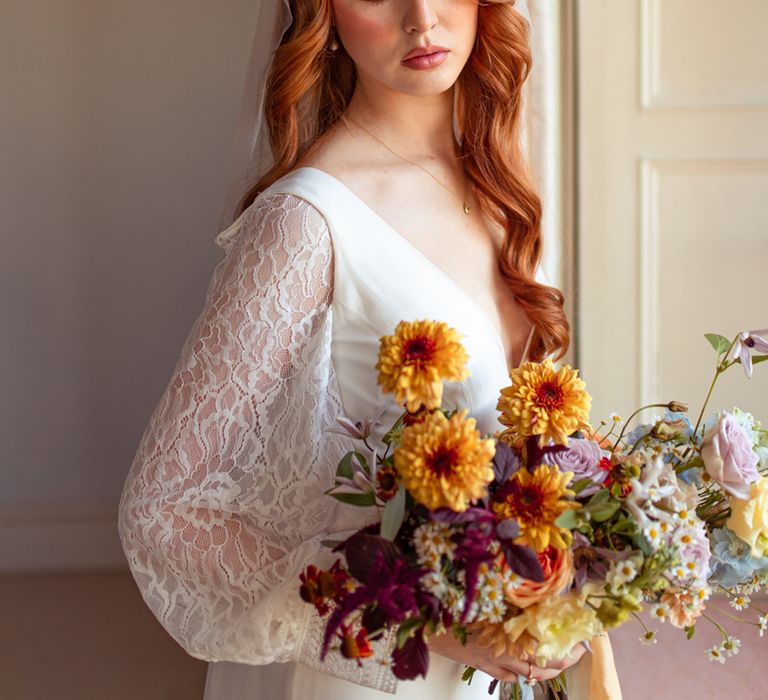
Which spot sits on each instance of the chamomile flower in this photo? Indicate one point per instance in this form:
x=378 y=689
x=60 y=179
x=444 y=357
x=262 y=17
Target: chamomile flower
x=649 y=637
x=731 y=646
x=740 y=602
x=511 y=579
x=621 y=572
x=490 y=586
x=762 y=622
x=716 y=654
x=660 y=612
x=432 y=540
x=752 y=586
x=615 y=419
x=701 y=593
x=653 y=534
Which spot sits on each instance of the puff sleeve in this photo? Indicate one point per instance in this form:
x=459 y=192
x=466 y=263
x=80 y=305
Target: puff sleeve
x=223 y=506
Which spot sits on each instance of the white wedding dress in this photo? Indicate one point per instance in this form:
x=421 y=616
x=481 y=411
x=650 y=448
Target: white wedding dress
x=224 y=505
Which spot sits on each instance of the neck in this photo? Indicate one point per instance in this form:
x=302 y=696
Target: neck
x=419 y=125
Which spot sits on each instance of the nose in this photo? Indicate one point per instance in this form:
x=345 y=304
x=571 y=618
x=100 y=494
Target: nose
x=420 y=16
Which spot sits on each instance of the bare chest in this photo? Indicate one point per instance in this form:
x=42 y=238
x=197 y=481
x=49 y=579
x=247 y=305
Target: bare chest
x=466 y=248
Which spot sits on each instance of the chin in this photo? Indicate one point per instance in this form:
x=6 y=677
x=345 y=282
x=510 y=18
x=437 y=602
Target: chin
x=426 y=85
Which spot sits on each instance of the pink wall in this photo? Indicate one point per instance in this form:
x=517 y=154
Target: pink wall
x=676 y=668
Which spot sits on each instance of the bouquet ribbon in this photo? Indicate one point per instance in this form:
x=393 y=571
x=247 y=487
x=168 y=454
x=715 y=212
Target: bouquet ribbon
x=595 y=677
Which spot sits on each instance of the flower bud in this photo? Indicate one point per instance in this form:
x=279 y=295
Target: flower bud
x=677 y=407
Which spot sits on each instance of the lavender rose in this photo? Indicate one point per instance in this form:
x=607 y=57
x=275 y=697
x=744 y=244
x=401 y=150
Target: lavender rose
x=728 y=456
x=582 y=457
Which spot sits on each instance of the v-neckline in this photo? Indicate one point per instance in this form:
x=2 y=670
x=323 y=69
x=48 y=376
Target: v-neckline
x=442 y=273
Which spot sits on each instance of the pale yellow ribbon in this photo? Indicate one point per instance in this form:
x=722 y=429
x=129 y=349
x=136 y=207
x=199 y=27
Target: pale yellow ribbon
x=595 y=677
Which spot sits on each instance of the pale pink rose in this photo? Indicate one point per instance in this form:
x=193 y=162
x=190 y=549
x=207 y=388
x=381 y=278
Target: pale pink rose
x=728 y=456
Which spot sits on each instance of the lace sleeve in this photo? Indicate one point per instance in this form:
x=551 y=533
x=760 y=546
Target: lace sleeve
x=223 y=506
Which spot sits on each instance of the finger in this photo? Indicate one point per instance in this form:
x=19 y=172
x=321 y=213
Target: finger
x=503 y=674
x=519 y=668
x=541 y=673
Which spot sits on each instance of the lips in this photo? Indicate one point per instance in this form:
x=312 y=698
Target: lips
x=425 y=51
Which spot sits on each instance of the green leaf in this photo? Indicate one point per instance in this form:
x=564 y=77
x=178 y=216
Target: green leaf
x=345 y=469
x=568 y=520
x=356 y=499
x=600 y=497
x=460 y=632
x=602 y=510
x=719 y=342
x=405 y=630
x=578 y=486
x=394 y=513
x=690 y=631
x=469 y=671
x=394 y=432
x=331 y=543
x=757 y=359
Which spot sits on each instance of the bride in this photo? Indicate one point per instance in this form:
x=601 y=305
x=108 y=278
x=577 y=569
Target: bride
x=397 y=191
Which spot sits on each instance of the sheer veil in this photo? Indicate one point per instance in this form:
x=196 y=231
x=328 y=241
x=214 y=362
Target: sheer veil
x=250 y=153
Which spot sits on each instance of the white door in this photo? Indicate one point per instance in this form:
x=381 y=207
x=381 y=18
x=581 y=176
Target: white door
x=672 y=197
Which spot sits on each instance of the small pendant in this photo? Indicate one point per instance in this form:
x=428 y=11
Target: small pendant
x=466 y=207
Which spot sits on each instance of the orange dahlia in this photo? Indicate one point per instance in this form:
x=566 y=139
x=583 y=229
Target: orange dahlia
x=444 y=462
x=543 y=401
x=536 y=499
x=508 y=637
x=414 y=362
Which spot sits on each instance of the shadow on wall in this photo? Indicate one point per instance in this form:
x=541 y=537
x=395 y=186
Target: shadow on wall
x=88 y=636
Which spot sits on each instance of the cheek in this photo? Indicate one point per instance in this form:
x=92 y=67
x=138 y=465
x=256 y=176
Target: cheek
x=364 y=28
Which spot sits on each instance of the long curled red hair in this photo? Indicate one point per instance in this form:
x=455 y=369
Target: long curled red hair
x=309 y=87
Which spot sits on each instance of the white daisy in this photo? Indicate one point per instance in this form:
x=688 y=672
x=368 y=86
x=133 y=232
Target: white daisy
x=740 y=602
x=653 y=534
x=660 y=612
x=716 y=654
x=731 y=646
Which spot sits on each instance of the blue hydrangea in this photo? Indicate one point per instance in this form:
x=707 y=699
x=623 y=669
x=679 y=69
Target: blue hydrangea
x=691 y=476
x=673 y=416
x=731 y=562
x=636 y=433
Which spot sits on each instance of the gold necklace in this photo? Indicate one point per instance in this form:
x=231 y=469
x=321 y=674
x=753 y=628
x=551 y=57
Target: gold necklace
x=464 y=200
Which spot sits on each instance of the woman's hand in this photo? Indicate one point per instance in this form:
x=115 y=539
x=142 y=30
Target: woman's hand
x=504 y=667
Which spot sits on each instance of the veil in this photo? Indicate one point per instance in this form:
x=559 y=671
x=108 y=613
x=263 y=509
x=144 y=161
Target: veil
x=251 y=155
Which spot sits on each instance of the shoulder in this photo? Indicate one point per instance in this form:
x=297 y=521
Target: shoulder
x=276 y=217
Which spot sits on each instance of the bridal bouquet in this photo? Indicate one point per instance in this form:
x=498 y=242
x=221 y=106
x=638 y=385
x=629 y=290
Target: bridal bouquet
x=548 y=532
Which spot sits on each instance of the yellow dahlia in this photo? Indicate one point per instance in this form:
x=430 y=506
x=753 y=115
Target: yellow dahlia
x=543 y=401
x=444 y=462
x=536 y=499
x=414 y=362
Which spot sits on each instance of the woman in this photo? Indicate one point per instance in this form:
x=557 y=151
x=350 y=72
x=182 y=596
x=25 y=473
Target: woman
x=397 y=192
